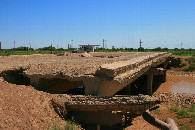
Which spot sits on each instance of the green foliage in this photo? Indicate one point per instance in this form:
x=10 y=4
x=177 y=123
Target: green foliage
x=189 y=69
x=174 y=108
x=182 y=65
x=157 y=49
x=70 y=125
x=183 y=126
x=141 y=49
x=22 y=48
x=157 y=111
x=192 y=108
x=183 y=113
x=47 y=48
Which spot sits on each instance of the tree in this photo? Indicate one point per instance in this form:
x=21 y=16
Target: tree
x=157 y=49
x=141 y=49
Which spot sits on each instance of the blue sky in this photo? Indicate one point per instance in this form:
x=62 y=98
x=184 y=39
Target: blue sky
x=159 y=23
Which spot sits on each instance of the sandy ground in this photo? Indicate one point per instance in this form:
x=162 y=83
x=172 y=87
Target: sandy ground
x=22 y=107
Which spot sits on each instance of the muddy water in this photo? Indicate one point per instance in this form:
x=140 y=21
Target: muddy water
x=178 y=84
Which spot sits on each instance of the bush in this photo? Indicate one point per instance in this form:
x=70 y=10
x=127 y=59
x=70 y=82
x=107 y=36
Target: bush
x=141 y=49
x=189 y=69
x=182 y=65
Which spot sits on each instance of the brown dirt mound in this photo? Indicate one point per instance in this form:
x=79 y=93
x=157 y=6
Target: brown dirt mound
x=22 y=107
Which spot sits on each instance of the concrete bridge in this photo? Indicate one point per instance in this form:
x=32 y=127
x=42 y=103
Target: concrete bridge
x=102 y=74
x=103 y=78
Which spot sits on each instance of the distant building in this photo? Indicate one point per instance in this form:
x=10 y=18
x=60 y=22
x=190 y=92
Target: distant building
x=85 y=48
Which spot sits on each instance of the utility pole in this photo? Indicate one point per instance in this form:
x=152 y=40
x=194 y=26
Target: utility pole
x=68 y=48
x=181 y=45
x=14 y=44
x=30 y=48
x=140 y=43
x=0 y=48
x=51 y=48
x=103 y=43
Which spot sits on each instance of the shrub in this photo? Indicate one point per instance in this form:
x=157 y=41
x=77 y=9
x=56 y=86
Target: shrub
x=189 y=69
x=182 y=65
x=141 y=49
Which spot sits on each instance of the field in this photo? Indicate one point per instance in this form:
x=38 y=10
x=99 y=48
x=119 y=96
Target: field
x=48 y=50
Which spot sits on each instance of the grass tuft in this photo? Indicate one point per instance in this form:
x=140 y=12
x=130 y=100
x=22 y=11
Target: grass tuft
x=183 y=113
x=157 y=111
x=174 y=108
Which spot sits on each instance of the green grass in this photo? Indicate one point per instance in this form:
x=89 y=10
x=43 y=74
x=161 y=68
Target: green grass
x=190 y=68
x=174 y=108
x=157 y=111
x=7 y=53
x=179 y=52
x=183 y=126
x=71 y=124
x=183 y=113
x=192 y=108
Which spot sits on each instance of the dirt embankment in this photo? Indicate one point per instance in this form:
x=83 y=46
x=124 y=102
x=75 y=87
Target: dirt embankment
x=178 y=70
x=22 y=107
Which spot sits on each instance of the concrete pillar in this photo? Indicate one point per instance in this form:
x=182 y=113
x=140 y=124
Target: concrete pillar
x=149 y=84
x=92 y=48
x=164 y=77
x=81 y=49
x=97 y=87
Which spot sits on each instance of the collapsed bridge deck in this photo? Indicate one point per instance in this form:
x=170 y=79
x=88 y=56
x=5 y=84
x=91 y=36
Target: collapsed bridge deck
x=102 y=74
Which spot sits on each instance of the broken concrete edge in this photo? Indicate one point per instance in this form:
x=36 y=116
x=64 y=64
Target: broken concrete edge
x=136 y=104
x=117 y=68
x=140 y=70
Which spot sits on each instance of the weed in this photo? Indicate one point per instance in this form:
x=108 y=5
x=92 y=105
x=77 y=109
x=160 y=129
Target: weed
x=189 y=69
x=183 y=126
x=183 y=113
x=157 y=111
x=56 y=127
x=192 y=108
x=192 y=120
x=174 y=108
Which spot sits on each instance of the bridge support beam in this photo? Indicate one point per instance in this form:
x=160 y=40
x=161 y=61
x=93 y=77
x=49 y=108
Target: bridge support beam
x=149 y=84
